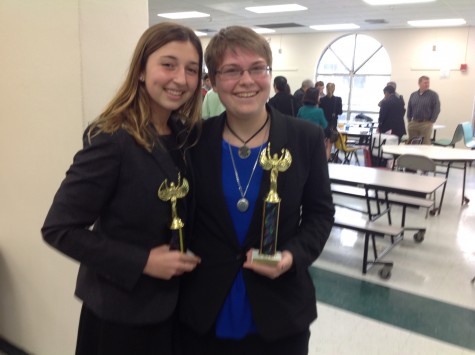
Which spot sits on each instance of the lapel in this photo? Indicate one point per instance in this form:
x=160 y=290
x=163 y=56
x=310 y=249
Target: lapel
x=278 y=139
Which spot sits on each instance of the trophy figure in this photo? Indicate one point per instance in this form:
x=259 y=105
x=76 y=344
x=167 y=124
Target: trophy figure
x=171 y=193
x=267 y=252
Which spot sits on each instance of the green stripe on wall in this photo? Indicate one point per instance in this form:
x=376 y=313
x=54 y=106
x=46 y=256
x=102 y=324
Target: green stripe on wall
x=443 y=321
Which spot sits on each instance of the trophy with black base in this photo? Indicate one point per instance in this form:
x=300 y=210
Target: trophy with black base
x=267 y=252
x=171 y=193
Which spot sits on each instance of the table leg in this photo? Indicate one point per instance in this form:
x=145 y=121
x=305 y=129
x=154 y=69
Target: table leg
x=437 y=210
x=464 y=198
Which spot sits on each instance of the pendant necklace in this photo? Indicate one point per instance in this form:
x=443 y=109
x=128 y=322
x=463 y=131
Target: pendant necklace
x=244 y=151
x=243 y=204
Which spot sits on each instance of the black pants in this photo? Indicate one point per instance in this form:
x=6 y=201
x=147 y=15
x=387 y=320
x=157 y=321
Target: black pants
x=100 y=337
x=195 y=344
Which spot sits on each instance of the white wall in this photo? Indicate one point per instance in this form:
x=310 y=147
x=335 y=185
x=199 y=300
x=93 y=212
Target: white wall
x=61 y=62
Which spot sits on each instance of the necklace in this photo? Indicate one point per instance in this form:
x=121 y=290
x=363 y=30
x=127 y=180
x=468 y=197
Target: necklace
x=244 y=151
x=243 y=204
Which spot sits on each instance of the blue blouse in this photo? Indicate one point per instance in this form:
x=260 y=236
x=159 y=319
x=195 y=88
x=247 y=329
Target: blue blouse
x=235 y=320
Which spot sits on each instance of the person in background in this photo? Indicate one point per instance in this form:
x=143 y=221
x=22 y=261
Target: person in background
x=298 y=94
x=391 y=113
x=283 y=101
x=212 y=105
x=230 y=304
x=287 y=89
x=106 y=213
x=320 y=86
x=309 y=111
x=206 y=85
x=332 y=107
x=423 y=109
x=394 y=85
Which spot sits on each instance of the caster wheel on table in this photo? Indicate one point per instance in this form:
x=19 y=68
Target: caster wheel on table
x=385 y=272
x=419 y=236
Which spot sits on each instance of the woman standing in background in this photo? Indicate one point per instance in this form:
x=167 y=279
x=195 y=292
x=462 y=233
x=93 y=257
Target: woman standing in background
x=332 y=107
x=309 y=111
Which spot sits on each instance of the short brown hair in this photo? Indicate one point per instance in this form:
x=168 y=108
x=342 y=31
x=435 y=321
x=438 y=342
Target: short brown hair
x=423 y=77
x=311 y=97
x=231 y=38
x=389 y=89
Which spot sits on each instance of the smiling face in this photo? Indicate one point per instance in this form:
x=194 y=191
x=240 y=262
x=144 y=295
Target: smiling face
x=245 y=96
x=171 y=76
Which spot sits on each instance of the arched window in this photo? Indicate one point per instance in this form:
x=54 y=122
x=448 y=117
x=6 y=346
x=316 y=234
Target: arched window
x=360 y=68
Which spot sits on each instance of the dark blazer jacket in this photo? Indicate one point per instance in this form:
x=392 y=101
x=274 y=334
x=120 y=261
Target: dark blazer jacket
x=332 y=107
x=287 y=304
x=391 y=116
x=112 y=185
x=285 y=103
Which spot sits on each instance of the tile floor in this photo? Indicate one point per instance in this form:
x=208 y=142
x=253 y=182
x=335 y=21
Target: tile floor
x=440 y=268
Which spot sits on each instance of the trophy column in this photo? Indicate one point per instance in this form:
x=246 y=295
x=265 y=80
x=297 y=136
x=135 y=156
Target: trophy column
x=267 y=252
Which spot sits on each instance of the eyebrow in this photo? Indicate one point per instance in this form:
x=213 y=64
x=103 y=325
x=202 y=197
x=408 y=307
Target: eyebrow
x=263 y=62
x=175 y=58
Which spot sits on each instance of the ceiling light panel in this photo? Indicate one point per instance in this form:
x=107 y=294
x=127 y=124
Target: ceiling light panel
x=438 y=23
x=276 y=8
x=200 y=34
x=261 y=30
x=395 y=2
x=183 y=15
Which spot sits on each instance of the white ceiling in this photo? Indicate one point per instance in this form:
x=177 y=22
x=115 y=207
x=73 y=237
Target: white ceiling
x=320 y=12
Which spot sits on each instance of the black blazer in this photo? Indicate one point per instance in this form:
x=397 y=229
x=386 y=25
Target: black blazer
x=287 y=304
x=112 y=184
x=391 y=116
x=285 y=103
x=332 y=107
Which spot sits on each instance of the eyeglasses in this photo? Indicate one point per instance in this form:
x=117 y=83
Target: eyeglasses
x=234 y=73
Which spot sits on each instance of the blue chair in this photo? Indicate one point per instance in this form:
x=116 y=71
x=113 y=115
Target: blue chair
x=468 y=135
x=447 y=142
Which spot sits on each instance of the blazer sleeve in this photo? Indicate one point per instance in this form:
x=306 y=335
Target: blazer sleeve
x=78 y=204
x=383 y=113
x=339 y=106
x=317 y=209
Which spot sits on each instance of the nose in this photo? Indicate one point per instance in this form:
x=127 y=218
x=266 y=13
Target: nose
x=180 y=75
x=246 y=76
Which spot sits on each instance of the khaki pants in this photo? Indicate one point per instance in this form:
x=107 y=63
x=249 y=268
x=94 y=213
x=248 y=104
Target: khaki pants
x=423 y=128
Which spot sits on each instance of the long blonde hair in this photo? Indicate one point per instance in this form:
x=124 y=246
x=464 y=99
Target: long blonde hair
x=130 y=109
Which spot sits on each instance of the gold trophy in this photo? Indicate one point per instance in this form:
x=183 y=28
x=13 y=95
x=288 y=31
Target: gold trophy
x=171 y=193
x=267 y=252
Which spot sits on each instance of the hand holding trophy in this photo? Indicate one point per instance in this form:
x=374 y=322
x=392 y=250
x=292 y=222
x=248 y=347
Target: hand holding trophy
x=171 y=193
x=267 y=252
